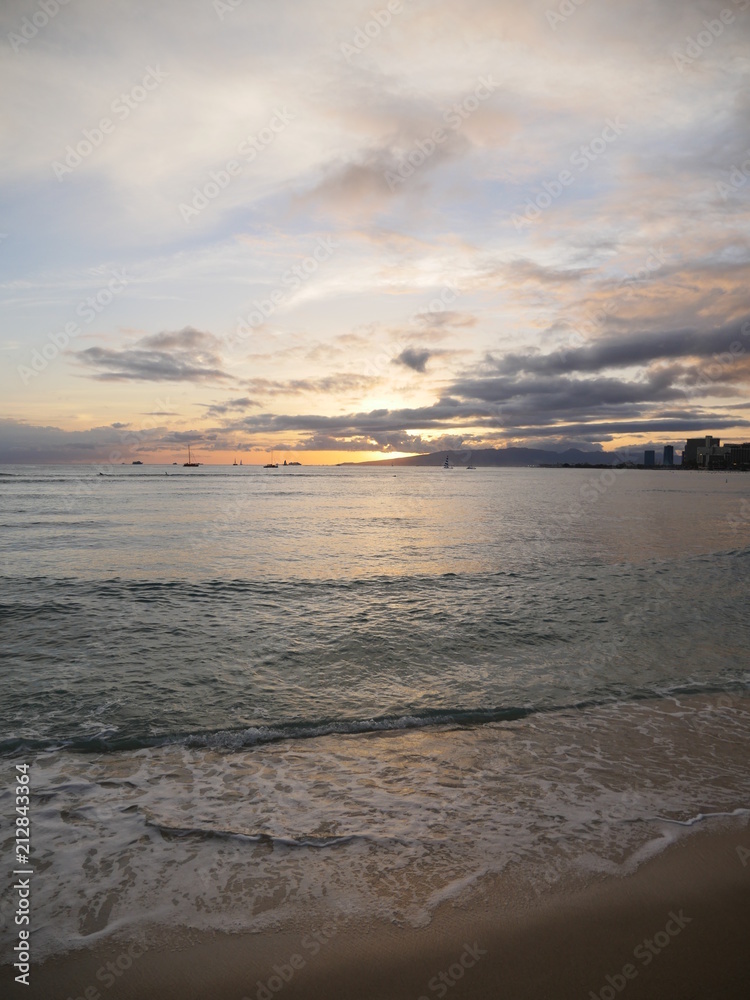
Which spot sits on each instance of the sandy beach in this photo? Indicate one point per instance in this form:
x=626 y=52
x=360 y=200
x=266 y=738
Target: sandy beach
x=677 y=928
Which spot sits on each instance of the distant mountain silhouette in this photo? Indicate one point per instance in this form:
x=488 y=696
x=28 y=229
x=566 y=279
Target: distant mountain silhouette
x=495 y=457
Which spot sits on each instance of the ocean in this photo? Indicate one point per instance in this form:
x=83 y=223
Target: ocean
x=249 y=695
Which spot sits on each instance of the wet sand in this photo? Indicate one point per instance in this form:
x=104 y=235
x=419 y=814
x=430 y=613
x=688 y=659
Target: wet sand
x=677 y=928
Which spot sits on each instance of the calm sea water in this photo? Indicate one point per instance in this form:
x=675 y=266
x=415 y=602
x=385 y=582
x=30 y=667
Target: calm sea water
x=246 y=692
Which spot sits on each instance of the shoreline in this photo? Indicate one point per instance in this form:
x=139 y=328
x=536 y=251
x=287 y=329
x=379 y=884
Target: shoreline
x=676 y=928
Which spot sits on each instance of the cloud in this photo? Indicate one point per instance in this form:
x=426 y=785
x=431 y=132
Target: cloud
x=447 y=318
x=564 y=395
x=526 y=270
x=337 y=382
x=25 y=443
x=219 y=409
x=414 y=359
x=627 y=351
x=21 y=442
x=383 y=168
x=187 y=355
x=187 y=339
x=322 y=362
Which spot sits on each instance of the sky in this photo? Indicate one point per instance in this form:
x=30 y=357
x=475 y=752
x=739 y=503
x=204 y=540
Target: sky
x=341 y=231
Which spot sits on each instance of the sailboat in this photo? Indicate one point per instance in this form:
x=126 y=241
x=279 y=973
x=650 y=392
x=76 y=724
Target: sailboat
x=447 y=463
x=190 y=464
x=234 y=462
x=271 y=464
x=471 y=464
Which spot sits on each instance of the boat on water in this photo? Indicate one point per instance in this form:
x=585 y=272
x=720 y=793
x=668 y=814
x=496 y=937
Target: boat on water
x=471 y=464
x=271 y=464
x=137 y=462
x=447 y=463
x=190 y=464
x=234 y=462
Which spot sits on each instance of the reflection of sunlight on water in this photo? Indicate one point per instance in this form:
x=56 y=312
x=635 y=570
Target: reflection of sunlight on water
x=331 y=523
x=213 y=614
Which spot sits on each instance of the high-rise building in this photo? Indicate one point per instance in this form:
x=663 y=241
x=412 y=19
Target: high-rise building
x=668 y=458
x=649 y=458
x=728 y=456
x=690 y=454
x=739 y=456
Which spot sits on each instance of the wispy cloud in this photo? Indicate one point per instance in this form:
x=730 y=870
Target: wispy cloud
x=229 y=406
